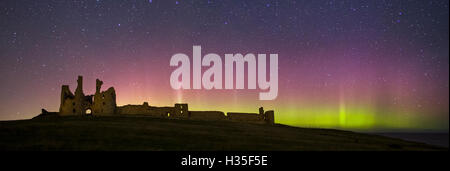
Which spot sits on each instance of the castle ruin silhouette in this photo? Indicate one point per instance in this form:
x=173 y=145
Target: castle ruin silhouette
x=103 y=103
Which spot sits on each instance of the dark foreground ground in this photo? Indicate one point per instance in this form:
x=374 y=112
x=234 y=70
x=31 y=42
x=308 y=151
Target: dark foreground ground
x=143 y=133
x=432 y=138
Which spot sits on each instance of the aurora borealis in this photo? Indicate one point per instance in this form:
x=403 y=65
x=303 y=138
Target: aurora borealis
x=358 y=65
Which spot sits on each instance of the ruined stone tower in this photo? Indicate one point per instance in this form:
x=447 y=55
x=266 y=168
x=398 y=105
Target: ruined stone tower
x=105 y=101
x=181 y=110
x=67 y=106
x=73 y=104
x=269 y=117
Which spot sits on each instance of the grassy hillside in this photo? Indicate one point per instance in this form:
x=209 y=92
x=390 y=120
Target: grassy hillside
x=143 y=133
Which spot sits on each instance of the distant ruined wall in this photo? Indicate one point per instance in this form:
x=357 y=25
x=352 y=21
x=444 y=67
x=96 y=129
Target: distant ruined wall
x=207 y=115
x=145 y=110
x=178 y=111
x=263 y=117
x=245 y=117
x=133 y=109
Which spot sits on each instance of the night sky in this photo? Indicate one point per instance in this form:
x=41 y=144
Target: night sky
x=359 y=65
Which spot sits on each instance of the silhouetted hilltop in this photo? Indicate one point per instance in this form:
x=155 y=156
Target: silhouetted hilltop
x=51 y=132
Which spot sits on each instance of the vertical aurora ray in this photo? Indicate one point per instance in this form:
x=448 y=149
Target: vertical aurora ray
x=342 y=109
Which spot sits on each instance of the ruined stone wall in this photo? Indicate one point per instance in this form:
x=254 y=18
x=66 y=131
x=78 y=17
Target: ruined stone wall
x=134 y=109
x=145 y=109
x=207 y=115
x=245 y=117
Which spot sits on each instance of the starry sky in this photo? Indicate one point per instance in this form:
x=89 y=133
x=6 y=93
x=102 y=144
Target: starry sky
x=348 y=64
